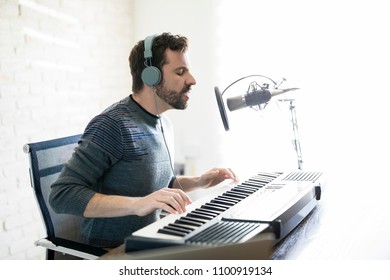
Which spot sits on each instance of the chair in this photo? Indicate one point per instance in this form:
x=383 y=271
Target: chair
x=46 y=160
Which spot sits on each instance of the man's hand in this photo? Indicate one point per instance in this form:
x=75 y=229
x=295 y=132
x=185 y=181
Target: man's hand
x=173 y=201
x=216 y=176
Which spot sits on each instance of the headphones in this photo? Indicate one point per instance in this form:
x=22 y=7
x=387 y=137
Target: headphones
x=151 y=75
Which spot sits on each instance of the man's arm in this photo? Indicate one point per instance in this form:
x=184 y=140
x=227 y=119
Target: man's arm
x=72 y=194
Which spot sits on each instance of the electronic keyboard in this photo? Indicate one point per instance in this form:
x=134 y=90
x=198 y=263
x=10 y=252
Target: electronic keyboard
x=235 y=213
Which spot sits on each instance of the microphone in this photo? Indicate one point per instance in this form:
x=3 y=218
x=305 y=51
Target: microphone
x=254 y=98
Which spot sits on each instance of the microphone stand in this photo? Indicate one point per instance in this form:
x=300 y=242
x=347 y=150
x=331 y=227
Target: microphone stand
x=295 y=140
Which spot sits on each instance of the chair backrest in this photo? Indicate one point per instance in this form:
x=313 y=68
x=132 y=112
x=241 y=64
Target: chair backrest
x=46 y=160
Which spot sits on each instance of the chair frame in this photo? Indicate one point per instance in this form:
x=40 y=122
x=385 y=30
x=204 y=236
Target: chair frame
x=53 y=243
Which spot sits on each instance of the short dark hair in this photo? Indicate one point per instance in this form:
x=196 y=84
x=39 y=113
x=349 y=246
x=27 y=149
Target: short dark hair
x=160 y=44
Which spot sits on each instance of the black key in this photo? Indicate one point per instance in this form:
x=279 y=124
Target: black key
x=242 y=195
x=223 y=202
x=178 y=225
x=177 y=228
x=243 y=190
x=208 y=234
x=220 y=208
x=227 y=199
x=234 y=199
x=200 y=212
x=189 y=221
x=200 y=216
x=171 y=232
x=236 y=195
x=209 y=212
x=252 y=184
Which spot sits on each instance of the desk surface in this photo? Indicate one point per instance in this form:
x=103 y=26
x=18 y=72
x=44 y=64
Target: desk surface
x=350 y=222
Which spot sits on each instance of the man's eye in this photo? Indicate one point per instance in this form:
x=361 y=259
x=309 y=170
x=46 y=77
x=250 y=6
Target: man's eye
x=180 y=72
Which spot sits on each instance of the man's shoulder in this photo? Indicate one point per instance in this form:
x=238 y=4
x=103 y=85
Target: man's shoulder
x=118 y=109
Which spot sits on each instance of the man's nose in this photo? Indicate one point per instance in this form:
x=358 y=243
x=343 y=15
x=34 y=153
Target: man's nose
x=191 y=80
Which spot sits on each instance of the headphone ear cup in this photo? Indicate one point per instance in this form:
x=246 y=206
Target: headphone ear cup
x=151 y=76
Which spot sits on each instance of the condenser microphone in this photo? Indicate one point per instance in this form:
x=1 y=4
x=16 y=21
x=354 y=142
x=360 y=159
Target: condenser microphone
x=254 y=98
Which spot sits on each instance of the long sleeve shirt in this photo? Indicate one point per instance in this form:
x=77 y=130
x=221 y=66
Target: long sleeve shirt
x=121 y=152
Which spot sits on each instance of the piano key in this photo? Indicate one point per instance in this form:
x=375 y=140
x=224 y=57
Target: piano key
x=214 y=207
x=221 y=201
x=210 y=212
x=264 y=177
x=239 y=193
x=221 y=232
x=239 y=232
x=184 y=227
x=232 y=198
x=270 y=176
x=236 y=230
x=171 y=232
x=177 y=229
x=260 y=184
x=232 y=194
x=252 y=184
x=224 y=235
x=216 y=233
x=200 y=212
x=205 y=235
x=243 y=190
x=227 y=199
x=219 y=207
x=197 y=215
x=258 y=181
x=190 y=221
x=248 y=187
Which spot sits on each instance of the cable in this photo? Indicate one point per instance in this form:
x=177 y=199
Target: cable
x=165 y=140
x=245 y=78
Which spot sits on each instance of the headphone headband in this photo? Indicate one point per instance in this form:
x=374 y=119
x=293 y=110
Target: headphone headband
x=151 y=75
x=148 y=46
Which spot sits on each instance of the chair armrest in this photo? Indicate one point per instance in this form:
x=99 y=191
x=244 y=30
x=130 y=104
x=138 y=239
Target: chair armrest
x=73 y=248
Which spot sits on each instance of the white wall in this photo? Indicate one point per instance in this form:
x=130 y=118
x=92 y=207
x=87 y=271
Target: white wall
x=336 y=52
x=61 y=62
x=196 y=127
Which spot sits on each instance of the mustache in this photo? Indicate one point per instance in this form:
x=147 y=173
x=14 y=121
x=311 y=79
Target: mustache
x=185 y=89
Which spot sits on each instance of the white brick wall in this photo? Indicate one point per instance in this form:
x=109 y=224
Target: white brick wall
x=61 y=62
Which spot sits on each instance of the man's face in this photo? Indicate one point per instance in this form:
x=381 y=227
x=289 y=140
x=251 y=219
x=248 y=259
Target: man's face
x=177 y=80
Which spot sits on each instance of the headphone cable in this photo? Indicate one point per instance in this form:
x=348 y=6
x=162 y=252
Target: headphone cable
x=165 y=141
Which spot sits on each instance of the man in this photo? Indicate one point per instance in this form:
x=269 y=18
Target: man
x=121 y=172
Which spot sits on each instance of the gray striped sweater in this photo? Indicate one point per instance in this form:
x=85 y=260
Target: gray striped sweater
x=121 y=152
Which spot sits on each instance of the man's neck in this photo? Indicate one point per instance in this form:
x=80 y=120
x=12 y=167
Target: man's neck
x=150 y=102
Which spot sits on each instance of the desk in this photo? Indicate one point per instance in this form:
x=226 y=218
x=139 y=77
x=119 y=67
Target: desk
x=350 y=222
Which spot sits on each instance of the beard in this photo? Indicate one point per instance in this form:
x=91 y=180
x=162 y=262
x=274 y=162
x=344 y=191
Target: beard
x=171 y=97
